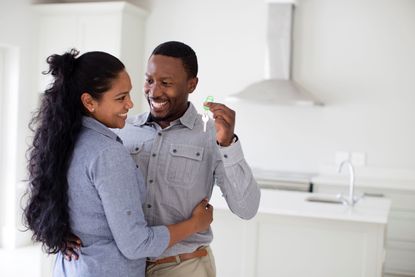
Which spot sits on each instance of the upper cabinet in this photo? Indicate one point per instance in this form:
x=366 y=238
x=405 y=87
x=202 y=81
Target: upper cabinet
x=113 y=27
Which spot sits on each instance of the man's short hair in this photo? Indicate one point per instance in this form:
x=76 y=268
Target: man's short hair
x=177 y=49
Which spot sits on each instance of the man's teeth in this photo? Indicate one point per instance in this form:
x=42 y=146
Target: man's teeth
x=158 y=105
x=123 y=114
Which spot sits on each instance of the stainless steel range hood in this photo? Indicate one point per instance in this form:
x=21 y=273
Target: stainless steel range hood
x=278 y=87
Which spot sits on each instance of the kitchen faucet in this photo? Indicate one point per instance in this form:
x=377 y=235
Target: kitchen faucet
x=351 y=200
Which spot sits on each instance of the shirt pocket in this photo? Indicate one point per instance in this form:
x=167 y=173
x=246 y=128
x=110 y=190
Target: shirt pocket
x=183 y=164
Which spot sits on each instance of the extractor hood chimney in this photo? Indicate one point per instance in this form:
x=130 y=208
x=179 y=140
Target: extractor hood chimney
x=278 y=87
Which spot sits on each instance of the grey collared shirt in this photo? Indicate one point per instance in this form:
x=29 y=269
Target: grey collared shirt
x=181 y=164
x=105 y=196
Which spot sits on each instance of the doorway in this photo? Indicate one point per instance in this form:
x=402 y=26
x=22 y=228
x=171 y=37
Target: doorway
x=9 y=58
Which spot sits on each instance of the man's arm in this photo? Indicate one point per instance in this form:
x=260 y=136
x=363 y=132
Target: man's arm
x=234 y=177
x=232 y=173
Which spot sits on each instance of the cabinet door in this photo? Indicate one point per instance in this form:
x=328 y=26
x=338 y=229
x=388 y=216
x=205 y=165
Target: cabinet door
x=100 y=33
x=400 y=244
x=56 y=35
x=85 y=33
x=113 y=27
x=295 y=246
x=233 y=245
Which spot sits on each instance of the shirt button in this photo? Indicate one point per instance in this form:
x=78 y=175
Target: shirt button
x=149 y=206
x=136 y=165
x=136 y=149
x=198 y=154
x=150 y=181
x=226 y=156
x=159 y=134
x=154 y=154
x=174 y=150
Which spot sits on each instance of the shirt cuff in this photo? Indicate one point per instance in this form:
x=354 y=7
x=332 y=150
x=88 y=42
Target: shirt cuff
x=231 y=154
x=162 y=238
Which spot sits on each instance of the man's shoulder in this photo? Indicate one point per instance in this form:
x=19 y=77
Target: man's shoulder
x=136 y=120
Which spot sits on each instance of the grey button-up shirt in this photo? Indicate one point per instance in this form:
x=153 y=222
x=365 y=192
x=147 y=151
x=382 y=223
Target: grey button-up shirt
x=180 y=164
x=106 y=192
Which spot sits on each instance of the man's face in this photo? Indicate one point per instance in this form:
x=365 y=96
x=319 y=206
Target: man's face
x=167 y=88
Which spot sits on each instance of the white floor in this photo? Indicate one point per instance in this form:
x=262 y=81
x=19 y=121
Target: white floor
x=25 y=261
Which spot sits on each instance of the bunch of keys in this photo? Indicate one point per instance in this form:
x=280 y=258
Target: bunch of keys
x=205 y=116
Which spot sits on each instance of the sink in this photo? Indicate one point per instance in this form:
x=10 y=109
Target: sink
x=324 y=199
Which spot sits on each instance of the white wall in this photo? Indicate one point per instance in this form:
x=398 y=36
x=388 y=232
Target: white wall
x=17 y=37
x=356 y=55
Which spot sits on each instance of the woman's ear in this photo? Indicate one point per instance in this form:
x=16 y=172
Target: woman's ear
x=192 y=84
x=88 y=102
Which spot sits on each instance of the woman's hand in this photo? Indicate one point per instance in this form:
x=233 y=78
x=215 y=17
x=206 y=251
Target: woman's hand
x=202 y=215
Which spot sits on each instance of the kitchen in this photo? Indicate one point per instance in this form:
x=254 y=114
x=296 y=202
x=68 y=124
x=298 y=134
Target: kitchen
x=354 y=56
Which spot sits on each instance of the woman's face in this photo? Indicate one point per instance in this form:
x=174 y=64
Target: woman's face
x=112 y=108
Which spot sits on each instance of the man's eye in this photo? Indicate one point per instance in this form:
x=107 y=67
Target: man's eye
x=166 y=83
x=149 y=81
x=122 y=98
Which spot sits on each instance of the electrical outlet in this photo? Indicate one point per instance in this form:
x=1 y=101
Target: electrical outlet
x=358 y=158
x=342 y=156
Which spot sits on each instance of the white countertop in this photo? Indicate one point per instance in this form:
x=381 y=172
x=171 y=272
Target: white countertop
x=368 y=209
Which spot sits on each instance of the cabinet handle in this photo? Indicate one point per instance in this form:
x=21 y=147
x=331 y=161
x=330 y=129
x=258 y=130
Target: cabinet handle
x=373 y=194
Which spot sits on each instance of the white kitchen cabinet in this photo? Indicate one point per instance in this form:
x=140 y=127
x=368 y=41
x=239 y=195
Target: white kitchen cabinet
x=113 y=27
x=293 y=237
x=234 y=244
x=292 y=246
x=400 y=239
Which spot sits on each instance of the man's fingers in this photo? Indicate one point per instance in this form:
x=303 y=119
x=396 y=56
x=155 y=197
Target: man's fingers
x=69 y=253
x=73 y=245
x=226 y=114
x=226 y=120
x=213 y=107
x=71 y=238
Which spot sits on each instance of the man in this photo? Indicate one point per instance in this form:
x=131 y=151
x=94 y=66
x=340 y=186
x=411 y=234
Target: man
x=181 y=163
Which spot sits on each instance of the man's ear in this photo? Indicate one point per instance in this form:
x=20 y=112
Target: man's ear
x=192 y=84
x=88 y=102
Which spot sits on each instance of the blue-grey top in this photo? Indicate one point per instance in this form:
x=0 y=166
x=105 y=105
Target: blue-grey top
x=106 y=192
x=181 y=164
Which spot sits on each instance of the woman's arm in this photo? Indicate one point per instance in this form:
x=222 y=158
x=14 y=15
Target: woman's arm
x=202 y=216
x=115 y=177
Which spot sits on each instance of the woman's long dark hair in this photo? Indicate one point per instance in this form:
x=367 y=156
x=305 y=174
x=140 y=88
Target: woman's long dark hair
x=56 y=125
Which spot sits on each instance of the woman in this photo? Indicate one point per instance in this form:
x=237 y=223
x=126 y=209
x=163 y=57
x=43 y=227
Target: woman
x=82 y=179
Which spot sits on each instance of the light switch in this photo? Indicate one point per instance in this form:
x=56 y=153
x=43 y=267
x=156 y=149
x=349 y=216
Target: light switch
x=358 y=158
x=342 y=156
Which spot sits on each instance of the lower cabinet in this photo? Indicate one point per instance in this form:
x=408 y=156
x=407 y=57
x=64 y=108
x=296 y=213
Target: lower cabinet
x=400 y=236
x=292 y=246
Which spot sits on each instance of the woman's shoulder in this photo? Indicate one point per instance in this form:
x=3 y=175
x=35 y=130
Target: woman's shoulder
x=95 y=144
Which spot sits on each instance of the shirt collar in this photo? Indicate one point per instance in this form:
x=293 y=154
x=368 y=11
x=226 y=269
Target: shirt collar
x=97 y=126
x=188 y=119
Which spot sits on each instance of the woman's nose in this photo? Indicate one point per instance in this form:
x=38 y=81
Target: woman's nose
x=130 y=104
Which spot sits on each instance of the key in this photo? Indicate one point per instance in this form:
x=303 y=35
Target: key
x=205 y=119
x=205 y=116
